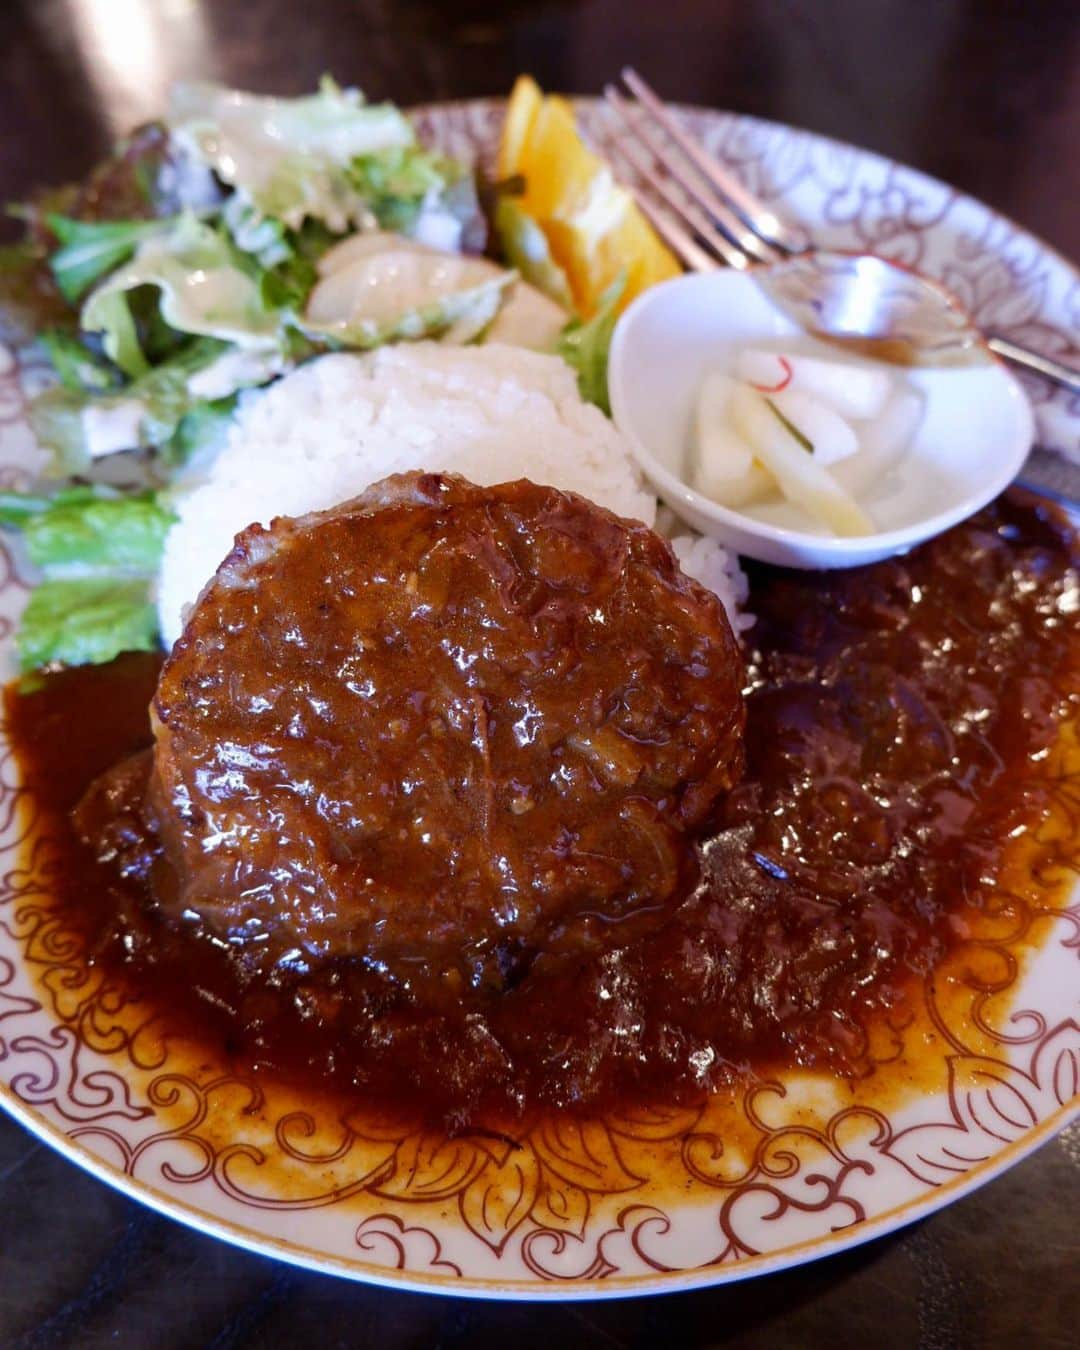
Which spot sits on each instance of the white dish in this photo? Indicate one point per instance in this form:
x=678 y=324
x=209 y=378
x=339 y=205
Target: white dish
x=976 y=430
x=572 y=1214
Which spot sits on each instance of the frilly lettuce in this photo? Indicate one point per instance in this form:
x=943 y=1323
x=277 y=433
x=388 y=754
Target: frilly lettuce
x=264 y=238
x=110 y=315
x=585 y=345
x=288 y=157
x=206 y=288
x=29 y=300
x=156 y=411
x=395 y=182
x=423 y=194
x=79 y=369
x=56 y=419
x=200 y=434
x=89 y=249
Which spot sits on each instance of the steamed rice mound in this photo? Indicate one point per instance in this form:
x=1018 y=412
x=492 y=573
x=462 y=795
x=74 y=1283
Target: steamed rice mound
x=330 y=429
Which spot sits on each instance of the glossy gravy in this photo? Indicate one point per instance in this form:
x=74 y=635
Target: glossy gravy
x=901 y=721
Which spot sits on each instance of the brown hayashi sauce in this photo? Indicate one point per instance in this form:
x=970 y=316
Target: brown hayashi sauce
x=899 y=723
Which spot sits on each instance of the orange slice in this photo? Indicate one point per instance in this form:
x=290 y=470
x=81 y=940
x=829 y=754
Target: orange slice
x=524 y=104
x=593 y=226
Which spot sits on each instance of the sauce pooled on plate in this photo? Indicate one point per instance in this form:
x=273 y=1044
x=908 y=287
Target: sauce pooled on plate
x=899 y=719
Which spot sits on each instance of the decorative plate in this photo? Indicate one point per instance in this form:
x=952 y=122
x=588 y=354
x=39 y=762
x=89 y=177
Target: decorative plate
x=784 y=1171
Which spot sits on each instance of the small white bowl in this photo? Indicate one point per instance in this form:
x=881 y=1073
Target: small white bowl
x=976 y=431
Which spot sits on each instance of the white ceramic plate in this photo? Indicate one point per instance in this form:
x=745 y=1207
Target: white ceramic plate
x=786 y=1172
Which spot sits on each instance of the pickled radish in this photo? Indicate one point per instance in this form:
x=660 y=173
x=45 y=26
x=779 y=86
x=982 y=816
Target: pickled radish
x=831 y=437
x=802 y=479
x=722 y=464
x=851 y=390
x=737 y=491
x=883 y=442
x=719 y=449
x=784 y=437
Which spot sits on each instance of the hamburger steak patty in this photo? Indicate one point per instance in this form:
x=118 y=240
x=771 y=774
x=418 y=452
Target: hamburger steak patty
x=443 y=730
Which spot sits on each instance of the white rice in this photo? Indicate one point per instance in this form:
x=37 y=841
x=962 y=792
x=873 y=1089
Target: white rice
x=324 y=433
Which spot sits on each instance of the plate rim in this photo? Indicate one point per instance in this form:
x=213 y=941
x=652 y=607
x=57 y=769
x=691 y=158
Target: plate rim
x=770 y=124
x=598 y=1289
x=613 y=1286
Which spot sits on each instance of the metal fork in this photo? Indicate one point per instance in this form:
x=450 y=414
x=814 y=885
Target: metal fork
x=709 y=220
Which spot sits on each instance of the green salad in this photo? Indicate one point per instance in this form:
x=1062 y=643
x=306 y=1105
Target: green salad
x=195 y=264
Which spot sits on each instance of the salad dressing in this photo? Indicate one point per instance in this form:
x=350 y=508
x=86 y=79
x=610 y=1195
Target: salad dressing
x=377 y=283
x=286 y=156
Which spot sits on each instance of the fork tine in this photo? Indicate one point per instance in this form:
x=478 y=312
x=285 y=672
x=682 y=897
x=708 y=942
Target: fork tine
x=687 y=213
x=637 y=121
x=754 y=213
x=679 y=240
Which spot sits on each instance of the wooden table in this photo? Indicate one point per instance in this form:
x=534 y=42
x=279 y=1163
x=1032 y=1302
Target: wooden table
x=984 y=94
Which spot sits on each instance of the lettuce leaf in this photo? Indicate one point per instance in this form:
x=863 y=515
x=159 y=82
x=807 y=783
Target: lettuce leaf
x=77 y=428
x=127 y=185
x=89 y=532
x=266 y=239
x=525 y=247
x=288 y=158
x=88 y=622
x=56 y=419
x=79 y=368
x=206 y=288
x=585 y=345
x=423 y=194
x=29 y=297
x=16 y=508
x=200 y=433
x=112 y=317
x=90 y=249
x=164 y=393
x=395 y=183
x=98 y=551
x=288 y=285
